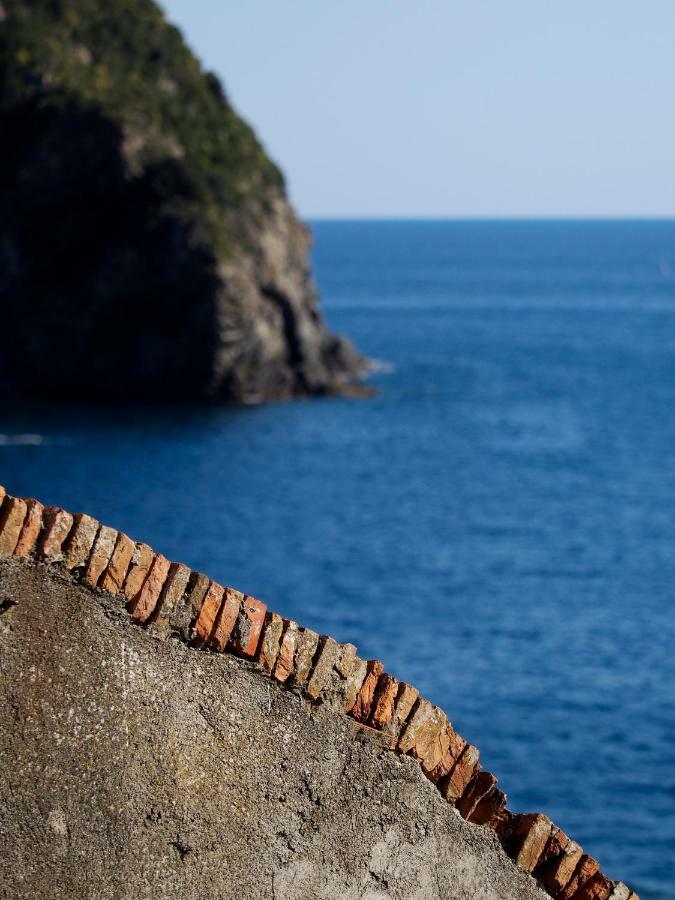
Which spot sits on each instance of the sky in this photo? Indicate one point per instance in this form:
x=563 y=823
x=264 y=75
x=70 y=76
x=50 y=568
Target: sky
x=453 y=108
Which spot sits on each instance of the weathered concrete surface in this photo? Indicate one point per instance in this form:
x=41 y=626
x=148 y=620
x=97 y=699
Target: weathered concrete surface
x=138 y=769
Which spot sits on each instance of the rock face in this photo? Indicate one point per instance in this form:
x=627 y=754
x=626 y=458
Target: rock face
x=135 y=767
x=147 y=247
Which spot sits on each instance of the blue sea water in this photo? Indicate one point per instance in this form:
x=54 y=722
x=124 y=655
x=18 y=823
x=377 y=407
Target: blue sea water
x=497 y=524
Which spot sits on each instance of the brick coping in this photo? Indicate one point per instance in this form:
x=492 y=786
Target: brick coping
x=171 y=600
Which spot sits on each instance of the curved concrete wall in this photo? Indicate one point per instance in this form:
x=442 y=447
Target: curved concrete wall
x=401 y=735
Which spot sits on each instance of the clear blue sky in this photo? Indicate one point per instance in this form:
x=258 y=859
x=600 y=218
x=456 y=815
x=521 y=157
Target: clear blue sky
x=453 y=107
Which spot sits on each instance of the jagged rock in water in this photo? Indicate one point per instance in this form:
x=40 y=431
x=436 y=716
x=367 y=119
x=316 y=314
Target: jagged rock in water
x=147 y=247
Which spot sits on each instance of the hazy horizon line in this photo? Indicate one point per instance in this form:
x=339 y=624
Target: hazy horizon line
x=486 y=218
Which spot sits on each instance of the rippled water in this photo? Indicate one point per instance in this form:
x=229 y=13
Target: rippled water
x=497 y=525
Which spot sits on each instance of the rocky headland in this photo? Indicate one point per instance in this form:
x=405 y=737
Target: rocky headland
x=148 y=250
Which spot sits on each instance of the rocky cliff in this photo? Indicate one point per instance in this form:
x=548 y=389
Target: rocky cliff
x=147 y=246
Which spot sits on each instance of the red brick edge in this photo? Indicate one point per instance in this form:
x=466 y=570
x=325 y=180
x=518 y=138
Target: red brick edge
x=171 y=600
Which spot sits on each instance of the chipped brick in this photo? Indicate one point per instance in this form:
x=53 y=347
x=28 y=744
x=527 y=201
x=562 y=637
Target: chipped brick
x=478 y=787
x=556 y=875
x=456 y=745
x=118 y=566
x=307 y=644
x=452 y=787
x=287 y=650
x=406 y=698
x=138 y=570
x=226 y=619
x=599 y=887
x=382 y=707
x=57 y=526
x=489 y=808
x=354 y=683
x=144 y=603
x=426 y=736
x=620 y=891
x=248 y=627
x=554 y=849
x=12 y=517
x=372 y=734
x=172 y=592
x=187 y=611
x=364 y=698
x=346 y=661
x=3 y=494
x=329 y=652
x=80 y=541
x=585 y=870
x=32 y=527
x=268 y=651
x=101 y=552
x=207 y=614
x=530 y=836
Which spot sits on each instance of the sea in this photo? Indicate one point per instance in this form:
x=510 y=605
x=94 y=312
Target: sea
x=496 y=523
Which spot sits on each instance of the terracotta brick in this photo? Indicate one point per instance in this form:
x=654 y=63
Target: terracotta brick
x=379 y=738
x=307 y=645
x=80 y=541
x=364 y=699
x=599 y=887
x=354 y=683
x=481 y=784
x=207 y=614
x=144 y=603
x=12 y=517
x=556 y=875
x=452 y=787
x=346 y=661
x=268 y=651
x=327 y=656
x=32 y=527
x=287 y=650
x=554 y=849
x=117 y=568
x=382 y=707
x=489 y=808
x=620 y=891
x=530 y=834
x=57 y=526
x=186 y=613
x=3 y=493
x=585 y=870
x=406 y=698
x=138 y=570
x=102 y=550
x=248 y=627
x=226 y=619
x=426 y=736
x=172 y=593
x=456 y=746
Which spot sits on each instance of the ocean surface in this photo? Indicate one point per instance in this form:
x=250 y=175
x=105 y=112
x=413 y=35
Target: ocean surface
x=497 y=524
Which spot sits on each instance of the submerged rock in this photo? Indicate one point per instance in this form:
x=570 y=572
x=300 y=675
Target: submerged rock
x=147 y=246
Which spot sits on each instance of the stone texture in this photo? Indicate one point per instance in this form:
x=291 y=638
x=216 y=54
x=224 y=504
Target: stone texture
x=207 y=614
x=328 y=655
x=346 y=661
x=585 y=870
x=480 y=785
x=354 y=683
x=405 y=700
x=138 y=570
x=364 y=699
x=248 y=627
x=144 y=603
x=101 y=552
x=12 y=516
x=307 y=645
x=556 y=875
x=453 y=785
x=161 y=773
x=228 y=614
x=117 y=568
x=80 y=541
x=268 y=652
x=32 y=527
x=172 y=593
x=531 y=835
x=57 y=526
x=287 y=651
x=382 y=708
x=599 y=887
